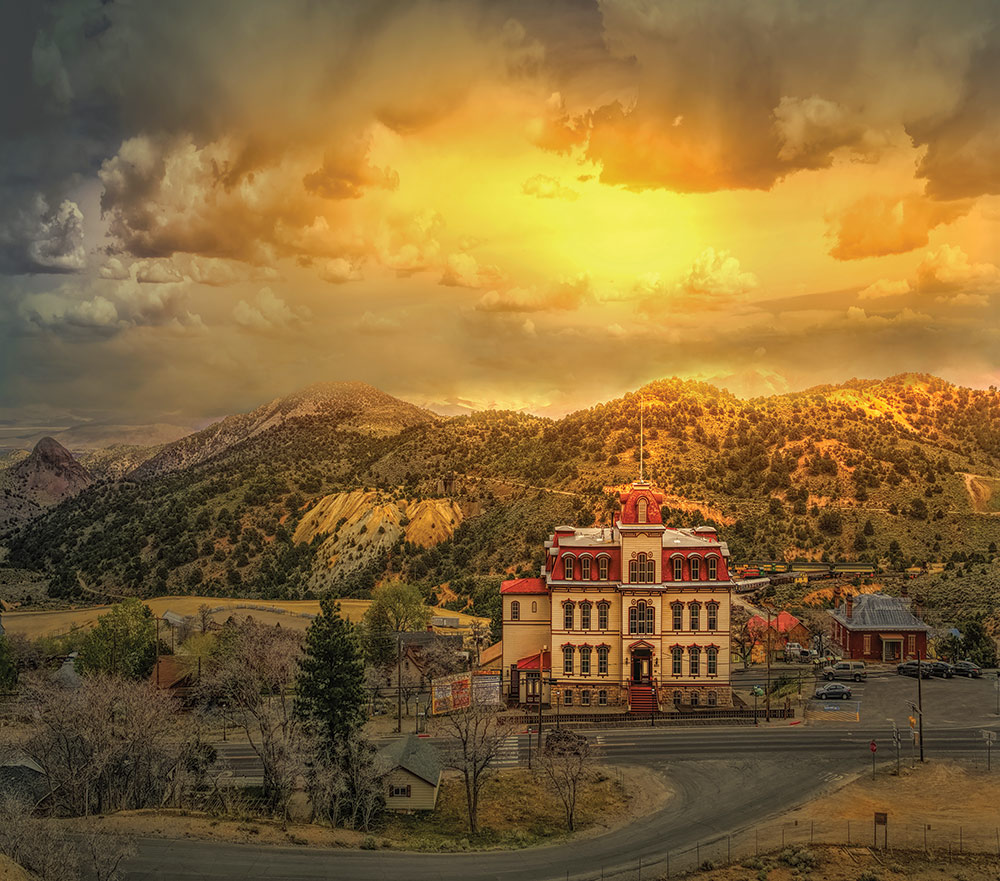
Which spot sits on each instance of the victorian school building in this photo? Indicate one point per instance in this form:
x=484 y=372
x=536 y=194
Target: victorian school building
x=636 y=615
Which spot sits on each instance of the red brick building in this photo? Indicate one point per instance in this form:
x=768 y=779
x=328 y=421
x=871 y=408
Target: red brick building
x=877 y=627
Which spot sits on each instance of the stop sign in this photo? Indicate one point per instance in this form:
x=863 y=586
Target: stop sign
x=873 y=746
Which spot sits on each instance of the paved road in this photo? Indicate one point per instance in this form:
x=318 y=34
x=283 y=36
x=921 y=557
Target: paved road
x=723 y=780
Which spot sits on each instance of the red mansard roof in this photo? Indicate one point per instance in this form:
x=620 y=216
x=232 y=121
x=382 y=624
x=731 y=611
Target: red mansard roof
x=524 y=585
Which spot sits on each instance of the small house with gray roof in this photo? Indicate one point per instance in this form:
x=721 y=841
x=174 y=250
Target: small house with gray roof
x=878 y=627
x=413 y=774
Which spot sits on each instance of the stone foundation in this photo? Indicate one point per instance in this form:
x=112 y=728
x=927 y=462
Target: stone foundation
x=722 y=691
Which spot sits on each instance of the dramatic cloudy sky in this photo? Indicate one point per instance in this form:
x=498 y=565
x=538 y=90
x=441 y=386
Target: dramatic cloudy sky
x=493 y=203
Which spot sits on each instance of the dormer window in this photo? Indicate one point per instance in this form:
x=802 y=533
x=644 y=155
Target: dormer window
x=695 y=569
x=585 y=569
x=640 y=509
x=602 y=568
x=678 y=569
x=713 y=568
x=567 y=568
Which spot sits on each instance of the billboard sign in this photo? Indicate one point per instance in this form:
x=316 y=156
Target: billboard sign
x=459 y=691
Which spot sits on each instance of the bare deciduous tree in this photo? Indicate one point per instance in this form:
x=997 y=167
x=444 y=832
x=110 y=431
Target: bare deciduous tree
x=477 y=734
x=34 y=844
x=565 y=760
x=743 y=636
x=112 y=744
x=253 y=675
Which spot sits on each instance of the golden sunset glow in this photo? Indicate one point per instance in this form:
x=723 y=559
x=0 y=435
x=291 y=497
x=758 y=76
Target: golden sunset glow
x=493 y=203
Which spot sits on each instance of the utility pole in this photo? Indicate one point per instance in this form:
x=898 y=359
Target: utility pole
x=541 y=664
x=895 y=740
x=767 y=650
x=920 y=706
x=399 y=683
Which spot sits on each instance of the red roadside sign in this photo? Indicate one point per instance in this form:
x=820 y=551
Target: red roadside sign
x=873 y=746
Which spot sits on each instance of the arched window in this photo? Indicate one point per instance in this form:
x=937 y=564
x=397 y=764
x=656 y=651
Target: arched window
x=515 y=610
x=602 y=616
x=713 y=700
x=585 y=661
x=585 y=568
x=694 y=660
x=602 y=698
x=640 y=510
x=678 y=697
x=695 y=569
x=694 y=616
x=713 y=568
x=567 y=616
x=694 y=699
x=567 y=567
x=585 y=616
x=712 y=610
x=568 y=697
x=678 y=569
x=641 y=618
x=603 y=564
x=677 y=661
x=642 y=569
x=712 y=660
x=585 y=698
x=602 y=660
x=568 y=660
x=677 y=613
x=534 y=606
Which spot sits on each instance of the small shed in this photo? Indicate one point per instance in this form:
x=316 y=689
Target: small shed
x=413 y=775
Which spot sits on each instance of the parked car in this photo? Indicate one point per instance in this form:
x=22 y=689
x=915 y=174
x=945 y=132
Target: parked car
x=911 y=668
x=941 y=668
x=855 y=670
x=967 y=668
x=833 y=691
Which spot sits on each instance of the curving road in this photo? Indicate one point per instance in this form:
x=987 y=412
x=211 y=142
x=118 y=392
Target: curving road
x=739 y=777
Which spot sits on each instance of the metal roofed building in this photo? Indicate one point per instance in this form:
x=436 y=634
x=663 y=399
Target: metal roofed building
x=878 y=627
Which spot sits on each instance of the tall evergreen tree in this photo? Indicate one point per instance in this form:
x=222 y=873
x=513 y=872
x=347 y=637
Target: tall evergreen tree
x=330 y=685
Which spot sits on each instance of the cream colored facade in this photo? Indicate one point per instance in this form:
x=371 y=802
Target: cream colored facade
x=654 y=627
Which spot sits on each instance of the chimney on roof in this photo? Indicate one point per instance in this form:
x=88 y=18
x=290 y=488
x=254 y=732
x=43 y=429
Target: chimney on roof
x=904 y=591
x=850 y=606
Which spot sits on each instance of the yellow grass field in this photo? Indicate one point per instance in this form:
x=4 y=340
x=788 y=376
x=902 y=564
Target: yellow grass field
x=288 y=613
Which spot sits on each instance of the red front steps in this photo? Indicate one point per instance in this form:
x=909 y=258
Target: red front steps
x=642 y=699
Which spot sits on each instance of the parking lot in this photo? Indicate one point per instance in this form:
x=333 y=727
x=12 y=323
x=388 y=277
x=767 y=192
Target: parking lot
x=960 y=702
x=885 y=697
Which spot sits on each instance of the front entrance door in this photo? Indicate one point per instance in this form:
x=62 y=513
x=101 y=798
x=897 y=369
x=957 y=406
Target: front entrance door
x=641 y=667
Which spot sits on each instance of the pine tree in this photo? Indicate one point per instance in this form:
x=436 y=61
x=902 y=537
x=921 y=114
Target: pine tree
x=330 y=686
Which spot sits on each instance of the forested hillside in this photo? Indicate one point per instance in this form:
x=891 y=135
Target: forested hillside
x=889 y=471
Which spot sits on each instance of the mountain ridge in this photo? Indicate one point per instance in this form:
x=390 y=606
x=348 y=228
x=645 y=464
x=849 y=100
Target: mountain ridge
x=866 y=470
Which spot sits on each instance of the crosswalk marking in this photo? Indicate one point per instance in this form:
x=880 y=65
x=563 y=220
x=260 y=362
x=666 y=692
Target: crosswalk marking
x=509 y=754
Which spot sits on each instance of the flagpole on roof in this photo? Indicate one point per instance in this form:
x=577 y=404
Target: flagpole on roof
x=642 y=402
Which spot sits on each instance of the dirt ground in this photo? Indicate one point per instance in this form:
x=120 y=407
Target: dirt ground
x=514 y=813
x=936 y=792
x=11 y=871
x=825 y=863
